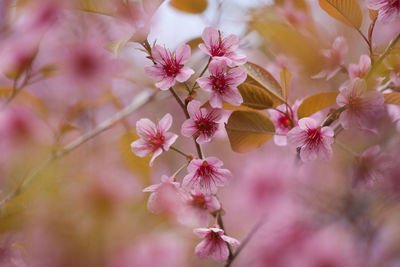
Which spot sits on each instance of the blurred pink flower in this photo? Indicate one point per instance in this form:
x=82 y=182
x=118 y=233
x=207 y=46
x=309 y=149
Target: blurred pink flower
x=313 y=140
x=293 y=16
x=334 y=58
x=202 y=124
x=363 y=107
x=206 y=174
x=284 y=120
x=222 y=48
x=359 y=70
x=165 y=196
x=371 y=167
x=222 y=84
x=153 y=139
x=169 y=66
x=198 y=207
x=388 y=9
x=215 y=244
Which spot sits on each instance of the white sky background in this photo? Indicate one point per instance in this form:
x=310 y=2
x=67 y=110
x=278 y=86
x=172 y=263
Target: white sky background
x=172 y=27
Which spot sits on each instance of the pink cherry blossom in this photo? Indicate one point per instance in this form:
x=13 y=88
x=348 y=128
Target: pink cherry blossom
x=223 y=84
x=284 y=120
x=334 y=58
x=169 y=66
x=363 y=108
x=153 y=139
x=215 y=244
x=359 y=70
x=222 y=48
x=206 y=174
x=198 y=208
x=202 y=124
x=387 y=9
x=371 y=167
x=165 y=196
x=313 y=140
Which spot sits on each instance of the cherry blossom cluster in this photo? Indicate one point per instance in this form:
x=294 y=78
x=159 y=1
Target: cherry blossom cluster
x=193 y=200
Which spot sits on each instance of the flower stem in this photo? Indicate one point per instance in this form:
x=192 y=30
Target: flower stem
x=201 y=75
x=180 y=169
x=333 y=116
x=179 y=151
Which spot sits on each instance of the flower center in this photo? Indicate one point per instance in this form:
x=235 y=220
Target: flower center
x=285 y=122
x=219 y=84
x=206 y=126
x=172 y=69
x=157 y=141
x=198 y=201
x=313 y=137
x=205 y=170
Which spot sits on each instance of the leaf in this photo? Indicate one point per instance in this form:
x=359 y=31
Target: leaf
x=392 y=98
x=190 y=6
x=248 y=130
x=254 y=96
x=373 y=14
x=95 y=6
x=345 y=11
x=285 y=77
x=137 y=164
x=116 y=46
x=262 y=78
x=66 y=128
x=227 y=106
x=315 y=103
x=25 y=98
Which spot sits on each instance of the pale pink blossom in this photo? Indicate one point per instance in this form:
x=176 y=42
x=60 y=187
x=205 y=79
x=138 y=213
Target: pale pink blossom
x=314 y=141
x=153 y=139
x=293 y=16
x=284 y=119
x=169 y=66
x=198 y=208
x=165 y=197
x=223 y=84
x=371 y=167
x=363 y=108
x=222 y=48
x=215 y=244
x=334 y=58
x=206 y=174
x=361 y=69
x=203 y=123
x=387 y=9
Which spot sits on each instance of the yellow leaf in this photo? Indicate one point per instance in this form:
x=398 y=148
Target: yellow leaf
x=254 y=96
x=373 y=14
x=392 y=98
x=194 y=43
x=190 y=6
x=248 y=130
x=345 y=11
x=260 y=77
x=138 y=165
x=116 y=46
x=227 y=106
x=95 y=6
x=316 y=103
x=285 y=77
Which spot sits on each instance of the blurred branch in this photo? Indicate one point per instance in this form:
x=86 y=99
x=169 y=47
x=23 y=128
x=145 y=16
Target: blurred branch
x=138 y=102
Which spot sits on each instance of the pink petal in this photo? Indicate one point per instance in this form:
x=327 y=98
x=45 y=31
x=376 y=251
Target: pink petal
x=189 y=181
x=155 y=155
x=193 y=109
x=140 y=148
x=170 y=138
x=231 y=241
x=202 y=232
x=215 y=100
x=203 y=138
x=237 y=59
x=145 y=128
x=151 y=188
x=210 y=37
x=204 y=249
x=307 y=123
x=307 y=154
x=205 y=83
x=161 y=55
x=220 y=252
x=155 y=72
x=325 y=152
x=233 y=96
x=165 y=123
x=217 y=68
x=230 y=42
x=236 y=76
x=296 y=136
x=205 y=49
x=214 y=161
x=182 y=54
x=194 y=165
x=280 y=140
x=184 y=74
x=189 y=128
x=166 y=83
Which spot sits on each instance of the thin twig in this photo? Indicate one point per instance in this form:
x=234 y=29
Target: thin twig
x=246 y=240
x=137 y=103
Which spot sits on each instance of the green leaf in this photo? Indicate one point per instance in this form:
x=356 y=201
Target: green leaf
x=345 y=11
x=392 y=98
x=260 y=77
x=248 y=130
x=315 y=103
x=190 y=6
